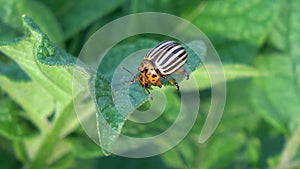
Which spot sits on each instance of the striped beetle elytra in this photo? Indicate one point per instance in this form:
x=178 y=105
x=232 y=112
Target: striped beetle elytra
x=164 y=59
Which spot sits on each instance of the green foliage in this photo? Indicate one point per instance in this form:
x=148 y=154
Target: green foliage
x=11 y=19
x=258 y=43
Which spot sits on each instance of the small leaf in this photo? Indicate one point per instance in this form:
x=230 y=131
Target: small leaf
x=8 y=127
x=15 y=125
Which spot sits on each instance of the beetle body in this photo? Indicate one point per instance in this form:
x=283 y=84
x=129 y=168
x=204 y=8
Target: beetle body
x=164 y=59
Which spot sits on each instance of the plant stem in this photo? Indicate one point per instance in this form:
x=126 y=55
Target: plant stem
x=289 y=151
x=51 y=139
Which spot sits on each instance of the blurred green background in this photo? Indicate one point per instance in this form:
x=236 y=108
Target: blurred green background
x=258 y=42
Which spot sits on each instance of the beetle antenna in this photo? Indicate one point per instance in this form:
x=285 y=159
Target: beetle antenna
x=124 y=68
x=134 y=76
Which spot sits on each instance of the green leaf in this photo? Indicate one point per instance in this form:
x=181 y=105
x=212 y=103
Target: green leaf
x=252 y=151
x=7 y=158
x=277 y=96
x=223 y=153
x=47 y=65
x=231 y=26
x=78 y=14
x=7 y=33
x=286 y=34
x=239 y=125
x=50 y=71
x=20 y=152
x=105 y=97
x=240 y=115
x=130 y=163
x=248 y=21
x=109 y=113
x=11 y=19
x=232 y=72
x=38 y=103
x=236 y=28
x=190 y=154
x=183 y=155
x=233 y=51
x=167 y=6
x=15 y=124
x=84 y=147
x=9 y=126
x=164 y=121
x=64 y=162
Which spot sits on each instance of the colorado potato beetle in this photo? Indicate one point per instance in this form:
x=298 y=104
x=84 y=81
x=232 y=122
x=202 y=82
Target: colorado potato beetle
x=161 y=61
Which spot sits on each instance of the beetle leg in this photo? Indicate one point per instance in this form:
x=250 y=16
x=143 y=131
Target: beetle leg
x=173 y=82
x=147 y=90
x=158 y=83
x=135 y=78
x=183 y=72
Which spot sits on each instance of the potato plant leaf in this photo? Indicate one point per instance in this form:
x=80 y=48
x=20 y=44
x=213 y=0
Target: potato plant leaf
x=111 y=120
x=44 y=77
x=237 y=20
x=277 y=96
x=11 y=22
x=281 y=85
x=71 y=16
x=12 y=78
x=46 y=64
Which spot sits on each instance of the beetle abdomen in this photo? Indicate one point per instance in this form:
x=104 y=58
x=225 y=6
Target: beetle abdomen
x=167 y=57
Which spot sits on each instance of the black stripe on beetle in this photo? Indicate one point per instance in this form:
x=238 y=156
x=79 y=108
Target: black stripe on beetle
x=164 y=59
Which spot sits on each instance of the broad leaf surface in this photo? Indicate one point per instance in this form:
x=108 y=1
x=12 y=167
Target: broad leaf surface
x=277 y=96
x=46 y=64
x=71 y=16
x=11 y=19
